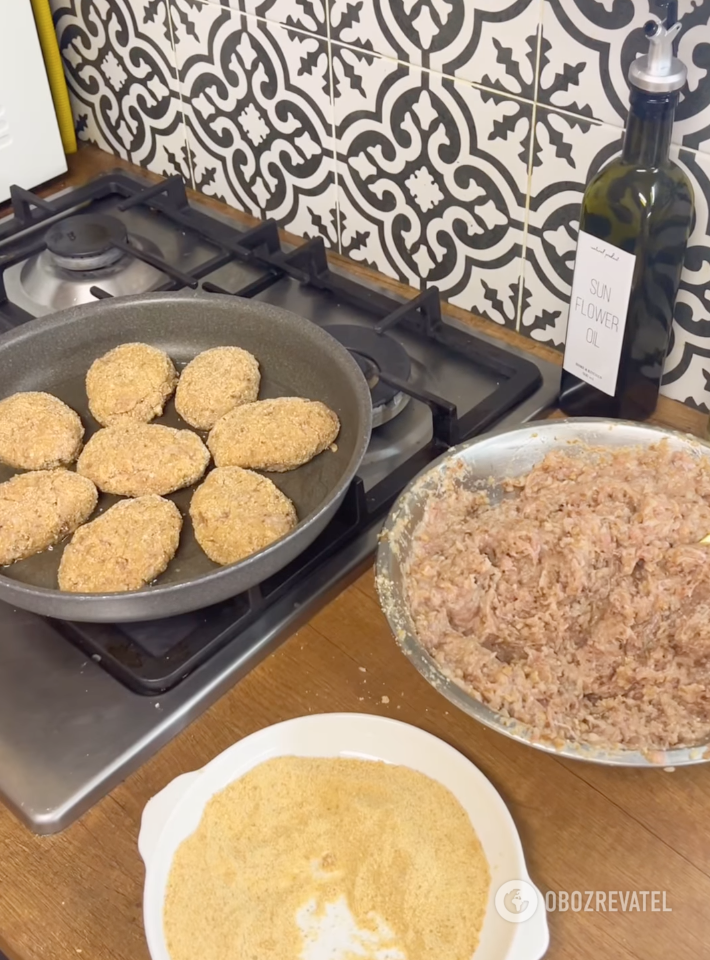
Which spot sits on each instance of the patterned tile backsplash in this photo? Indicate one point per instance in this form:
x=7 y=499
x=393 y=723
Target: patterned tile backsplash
x=441 y=142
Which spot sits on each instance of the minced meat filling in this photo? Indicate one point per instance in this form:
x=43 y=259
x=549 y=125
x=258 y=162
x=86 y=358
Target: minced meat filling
x=580 y=603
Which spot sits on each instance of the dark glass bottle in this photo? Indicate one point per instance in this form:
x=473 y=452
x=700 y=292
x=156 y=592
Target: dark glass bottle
x=640 y=203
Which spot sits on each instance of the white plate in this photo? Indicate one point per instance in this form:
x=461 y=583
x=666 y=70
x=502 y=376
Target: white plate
x=173 y=814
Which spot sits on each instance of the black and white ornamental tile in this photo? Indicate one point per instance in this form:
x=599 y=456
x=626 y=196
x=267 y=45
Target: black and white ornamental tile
x=122 y=79
x=491 y=42
x=259 y=116
x=568 y=153
x=588 y=46
x=432 y=178
x=687 y=370
x=309 y=15
x=368 y=25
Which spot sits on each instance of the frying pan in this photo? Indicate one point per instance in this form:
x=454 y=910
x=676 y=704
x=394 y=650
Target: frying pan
x=296 y=357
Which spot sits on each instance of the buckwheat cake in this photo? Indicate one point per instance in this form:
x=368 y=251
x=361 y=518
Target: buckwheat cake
x=214 y=383
x=297 y=838
x=137 y=459
x=38 y=432
x=236 y=512
x=133 y=381
x=124 y=549
x=273 y=435
x=579 y=604
x=39 y=509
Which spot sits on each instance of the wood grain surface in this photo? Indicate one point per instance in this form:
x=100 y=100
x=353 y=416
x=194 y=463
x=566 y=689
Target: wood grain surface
x=78 y=894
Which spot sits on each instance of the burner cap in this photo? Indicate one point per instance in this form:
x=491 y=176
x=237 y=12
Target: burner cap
x=374 y=352
x=86 y=239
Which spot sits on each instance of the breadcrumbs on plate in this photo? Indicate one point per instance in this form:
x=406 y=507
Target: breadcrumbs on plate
x=295 y=831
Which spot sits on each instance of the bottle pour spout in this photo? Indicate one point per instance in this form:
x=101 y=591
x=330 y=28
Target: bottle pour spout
x=659 y=71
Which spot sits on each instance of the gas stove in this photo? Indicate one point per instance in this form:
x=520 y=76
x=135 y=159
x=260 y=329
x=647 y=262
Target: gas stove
x=82 y=705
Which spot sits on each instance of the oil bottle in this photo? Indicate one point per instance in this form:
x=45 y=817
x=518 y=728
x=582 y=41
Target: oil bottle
x=636 y=218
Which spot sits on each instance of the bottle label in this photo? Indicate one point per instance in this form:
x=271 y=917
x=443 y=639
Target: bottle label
x=601 y=290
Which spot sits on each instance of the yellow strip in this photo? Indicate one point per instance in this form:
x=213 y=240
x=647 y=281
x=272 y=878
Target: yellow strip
x=55 y=73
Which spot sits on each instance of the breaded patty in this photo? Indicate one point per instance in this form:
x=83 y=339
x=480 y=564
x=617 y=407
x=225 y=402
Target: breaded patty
x=38 y=509
x=38 y=432
x=236 y=512
x=124 y=549
x=214 y=383
x=136 y=459
x=275 y=435
x=133 y=382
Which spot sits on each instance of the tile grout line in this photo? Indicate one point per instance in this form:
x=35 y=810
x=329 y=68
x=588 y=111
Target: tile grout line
x=404 y=63
x=531 y=157
x=168 y=7
x=331 y=83
x=502 y=94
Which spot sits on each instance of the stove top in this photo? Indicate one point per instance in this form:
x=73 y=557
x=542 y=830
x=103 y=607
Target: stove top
x=81 y=705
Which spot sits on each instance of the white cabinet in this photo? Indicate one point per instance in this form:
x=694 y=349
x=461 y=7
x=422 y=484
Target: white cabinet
x=30 y=146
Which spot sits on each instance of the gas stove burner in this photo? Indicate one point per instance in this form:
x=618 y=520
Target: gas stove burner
x=81 y=254
x=375 y=353
x=86 y=241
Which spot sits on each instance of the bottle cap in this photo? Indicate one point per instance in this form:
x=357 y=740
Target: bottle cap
x=659 y=71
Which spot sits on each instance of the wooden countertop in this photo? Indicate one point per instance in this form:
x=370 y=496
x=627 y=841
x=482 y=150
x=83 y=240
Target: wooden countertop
x=78 y=894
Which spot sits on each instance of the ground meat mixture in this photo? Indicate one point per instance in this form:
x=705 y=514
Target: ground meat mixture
x=580 y=603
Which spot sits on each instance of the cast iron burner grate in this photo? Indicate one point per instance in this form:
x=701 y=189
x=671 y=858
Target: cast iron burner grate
x=154 y=657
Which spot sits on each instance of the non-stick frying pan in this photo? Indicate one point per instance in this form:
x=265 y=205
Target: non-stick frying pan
x=297 y=358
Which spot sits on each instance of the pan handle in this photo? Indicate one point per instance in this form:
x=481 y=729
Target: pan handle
x=157 y=811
